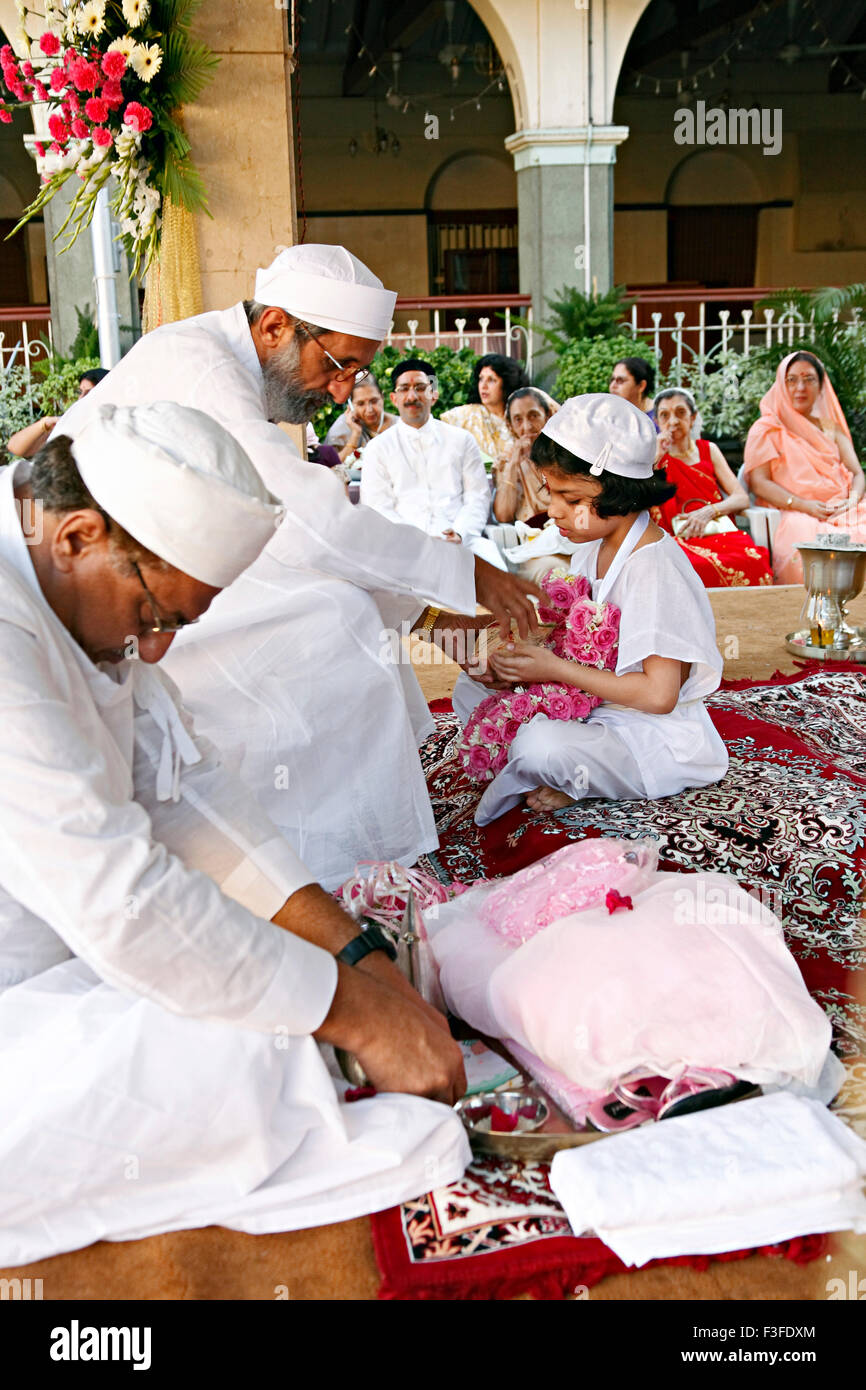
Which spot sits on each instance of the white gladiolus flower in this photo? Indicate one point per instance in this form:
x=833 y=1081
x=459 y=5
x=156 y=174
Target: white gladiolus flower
x=146 y=60
x=90 y=19
x=135 y=12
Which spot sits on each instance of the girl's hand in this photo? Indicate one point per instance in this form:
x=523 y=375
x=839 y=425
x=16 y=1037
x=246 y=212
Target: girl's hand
x=522 y=662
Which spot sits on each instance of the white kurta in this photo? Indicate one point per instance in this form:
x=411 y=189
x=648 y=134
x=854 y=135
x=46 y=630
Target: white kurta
x=619 y=752
x=156 y=1068
x=291 y=671
x=432 y=477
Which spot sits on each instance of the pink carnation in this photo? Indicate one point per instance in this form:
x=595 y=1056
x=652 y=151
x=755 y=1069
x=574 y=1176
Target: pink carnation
x=137 y=117
x=113 y=64
x=85 y=75
x=41 y=91
x=58 y=128
x=5 y=116
x=96 y=109
x=49 y=43
x=40 y=149
x=27 y=69
x=80 y=129
x=58 y=80
x=101 y=135
x=112 y=94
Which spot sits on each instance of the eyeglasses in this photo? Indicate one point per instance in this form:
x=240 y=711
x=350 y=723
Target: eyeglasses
x=797 y=380
x=356 y=374
x=419 y=390
x=159 y=624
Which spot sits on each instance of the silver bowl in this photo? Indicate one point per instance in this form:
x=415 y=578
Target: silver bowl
x=834 y=569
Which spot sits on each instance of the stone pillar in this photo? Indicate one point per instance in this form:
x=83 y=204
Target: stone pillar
x=556 y=169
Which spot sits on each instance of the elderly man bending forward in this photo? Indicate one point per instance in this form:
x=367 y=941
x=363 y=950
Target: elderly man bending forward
x=168 y=967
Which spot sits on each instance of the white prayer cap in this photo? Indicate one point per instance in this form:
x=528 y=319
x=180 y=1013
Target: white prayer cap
x=180 y=484
x=608 y=432
x=330 y=288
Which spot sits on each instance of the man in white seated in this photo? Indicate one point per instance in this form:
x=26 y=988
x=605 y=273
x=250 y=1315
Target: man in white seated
x=168 y=966
x=426 y=473
x=290 y=673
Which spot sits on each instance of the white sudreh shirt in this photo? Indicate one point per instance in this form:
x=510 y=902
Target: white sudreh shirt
x=291 y=672
x=153 y=1023
x=665 y=612
x=432 y=478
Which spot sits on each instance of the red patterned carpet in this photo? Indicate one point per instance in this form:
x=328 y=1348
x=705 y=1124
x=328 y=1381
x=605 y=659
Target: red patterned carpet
x=788 y=822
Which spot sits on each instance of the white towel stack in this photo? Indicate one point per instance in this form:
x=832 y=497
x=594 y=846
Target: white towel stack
x=754 y=1173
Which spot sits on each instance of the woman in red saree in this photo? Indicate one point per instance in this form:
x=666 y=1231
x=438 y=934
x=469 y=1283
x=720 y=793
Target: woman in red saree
x=799 y=458
x=706 y=492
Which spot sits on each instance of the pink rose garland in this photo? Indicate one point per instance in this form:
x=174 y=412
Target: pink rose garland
x=583 y=631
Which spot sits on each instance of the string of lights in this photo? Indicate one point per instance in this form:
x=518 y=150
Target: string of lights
x=688 y=83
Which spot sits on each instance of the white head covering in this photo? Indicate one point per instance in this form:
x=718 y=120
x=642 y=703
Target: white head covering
x=330 y=288
x=180 y=484
x=607 y=431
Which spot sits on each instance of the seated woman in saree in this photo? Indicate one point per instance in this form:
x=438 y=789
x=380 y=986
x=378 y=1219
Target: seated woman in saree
x=707 y=496
x=493 y=380
x=799 y=458
x=520 y=494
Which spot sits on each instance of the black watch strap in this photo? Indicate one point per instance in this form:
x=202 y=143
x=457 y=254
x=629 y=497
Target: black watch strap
x=372 y=938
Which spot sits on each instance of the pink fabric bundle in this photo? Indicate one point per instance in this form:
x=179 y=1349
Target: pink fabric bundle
x=575 y=877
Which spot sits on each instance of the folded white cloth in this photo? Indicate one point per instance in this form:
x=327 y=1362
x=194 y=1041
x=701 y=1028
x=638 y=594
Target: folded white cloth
x=548 y=541
x=743 y=1175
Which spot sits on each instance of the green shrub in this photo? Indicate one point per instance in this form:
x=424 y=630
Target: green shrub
x=587 y=363
x=51 y=391
x=453 y=373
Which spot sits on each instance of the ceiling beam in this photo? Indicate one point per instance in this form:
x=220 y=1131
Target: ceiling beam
x=408 y=22
x=690 y=28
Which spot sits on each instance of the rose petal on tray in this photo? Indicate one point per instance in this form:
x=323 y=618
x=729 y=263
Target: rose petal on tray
x=500 y=1122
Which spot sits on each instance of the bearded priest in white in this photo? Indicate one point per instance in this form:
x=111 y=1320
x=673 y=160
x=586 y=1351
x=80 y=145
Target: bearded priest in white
x=291 y=674
x=168 y=966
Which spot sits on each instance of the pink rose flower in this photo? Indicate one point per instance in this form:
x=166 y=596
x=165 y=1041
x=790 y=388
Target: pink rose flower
x=558 y=704
x=522 y=707
x=499 y=761
x=559 y=591
x=113 y=65
x=580 y=704
x=96 y=109
x=101 y=136
x=510 y=730
x=478 y=763
x=137 y=117
x=490 y=732
x=49 y=43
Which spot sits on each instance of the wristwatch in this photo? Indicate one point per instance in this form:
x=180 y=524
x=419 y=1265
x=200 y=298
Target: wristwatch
x=372 y=938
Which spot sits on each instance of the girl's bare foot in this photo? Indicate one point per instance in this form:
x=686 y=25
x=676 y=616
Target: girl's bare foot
x=547 y=799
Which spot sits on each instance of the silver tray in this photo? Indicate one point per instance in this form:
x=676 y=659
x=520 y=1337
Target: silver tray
x=550 y=1133
x=799 y=644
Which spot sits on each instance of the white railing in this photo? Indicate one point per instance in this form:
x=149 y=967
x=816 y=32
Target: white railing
x=22 y=346
x=472 y=328
x=709 y=336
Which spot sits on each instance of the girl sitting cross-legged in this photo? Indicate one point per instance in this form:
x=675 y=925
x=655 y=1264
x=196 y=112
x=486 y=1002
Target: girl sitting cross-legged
x=651 y=735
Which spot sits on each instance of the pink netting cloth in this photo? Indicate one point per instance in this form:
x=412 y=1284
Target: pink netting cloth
x=575 y=877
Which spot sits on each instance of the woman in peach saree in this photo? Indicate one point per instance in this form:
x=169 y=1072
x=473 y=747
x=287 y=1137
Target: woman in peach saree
x=799 y=458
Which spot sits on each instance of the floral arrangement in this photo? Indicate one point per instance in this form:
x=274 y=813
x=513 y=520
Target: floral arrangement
x=113 y=76
x=582 y=631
